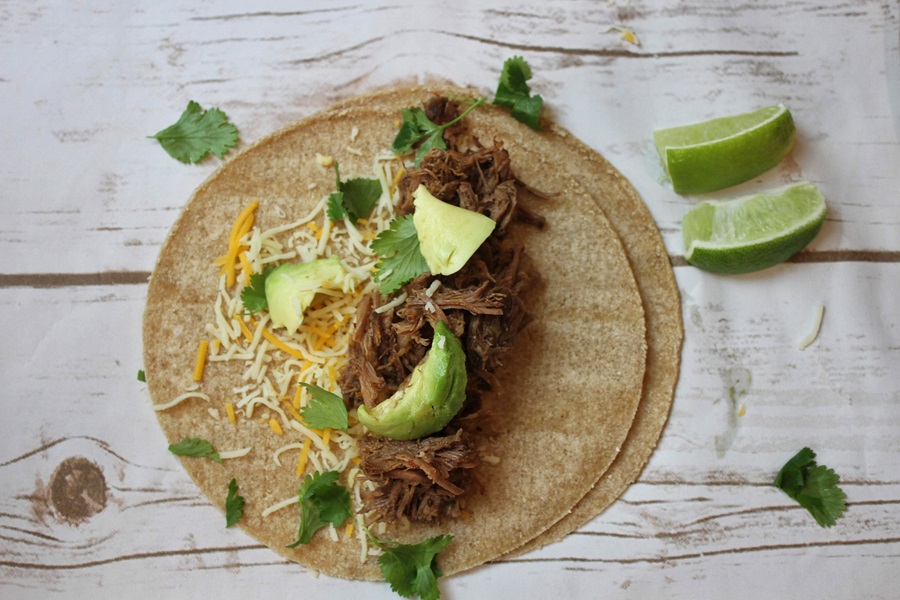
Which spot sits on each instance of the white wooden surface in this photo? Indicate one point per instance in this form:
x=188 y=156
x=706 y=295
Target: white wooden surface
x=87 y=201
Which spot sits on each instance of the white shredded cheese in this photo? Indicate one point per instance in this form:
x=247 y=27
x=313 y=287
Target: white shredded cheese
x=809 y=338
x=228 y=454
x=295 y=499
x=180 y=399
x=433 y=287
x=392 y=304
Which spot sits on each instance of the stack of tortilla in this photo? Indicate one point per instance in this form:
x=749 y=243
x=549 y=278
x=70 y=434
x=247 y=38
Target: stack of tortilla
x=584 y=393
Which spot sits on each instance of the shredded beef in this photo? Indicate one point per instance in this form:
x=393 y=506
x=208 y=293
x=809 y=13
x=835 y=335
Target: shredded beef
x=482 y=305
x=419 y=479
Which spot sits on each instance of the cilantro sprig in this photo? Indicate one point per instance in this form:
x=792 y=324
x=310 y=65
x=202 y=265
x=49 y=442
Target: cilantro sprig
x=354 y=198
x=196 y=448
x=324 y=409
x=197 y=133
x=254 y=295
x=400 y=257
x=322 y=501
x=234 y=504
x=814 y=486
x=412 y=569
x=514 y=93
x=416 y=127
x=141 y=376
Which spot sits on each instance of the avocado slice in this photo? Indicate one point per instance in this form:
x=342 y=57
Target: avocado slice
x=291 y=287
x=448 y=235
x=431 y=397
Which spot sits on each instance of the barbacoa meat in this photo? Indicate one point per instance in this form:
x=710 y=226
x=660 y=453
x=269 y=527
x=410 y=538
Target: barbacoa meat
x=420 y=479
x=482 y=304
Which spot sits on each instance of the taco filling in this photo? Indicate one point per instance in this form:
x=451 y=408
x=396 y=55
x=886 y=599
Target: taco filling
x=483 y=306
x=501 y=360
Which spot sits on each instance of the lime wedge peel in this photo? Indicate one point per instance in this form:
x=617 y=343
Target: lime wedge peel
x=719 y=153
x=753 y=232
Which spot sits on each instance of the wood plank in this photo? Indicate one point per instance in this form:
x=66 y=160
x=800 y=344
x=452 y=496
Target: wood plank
x=703 y=505
x=270 y=66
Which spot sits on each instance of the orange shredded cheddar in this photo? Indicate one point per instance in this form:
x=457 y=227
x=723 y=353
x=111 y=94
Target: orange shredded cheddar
x=202 y=351
x=229 y=410
x=332 y=375
x=326 y=435
x=304 y=456
x=348 y=531
x=315 y=330
x=297 y=397
x=241 y=226
x=276 y=426
x=356 y=460
x=245 y=330
x=292 y=410
x=245 y=265
x=281 y=345
x=396 y=180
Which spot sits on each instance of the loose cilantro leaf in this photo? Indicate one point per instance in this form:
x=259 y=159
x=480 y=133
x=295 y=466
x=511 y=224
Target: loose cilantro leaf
x=197 y=133
x=401 y=258
x=322 y=501
x=416 y=126
x=324 y=409
x=354 y=198
x=412 y=569
x=813 y=486
x=254 y=295
x=234 y=504
x=195 y=447
x=141 y=376
x=514 y=93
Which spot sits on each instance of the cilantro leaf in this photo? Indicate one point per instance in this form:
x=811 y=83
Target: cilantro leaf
x=195 y=447
x=197 y=133
x=234 y=504
x=813 y=486
x=514 y=93
x=322 y=501
x=412 y=569
x=401 y=259
x=324 y=409
x=354 y=198
x=416 y=126
x=254 y=295
x=141 y=376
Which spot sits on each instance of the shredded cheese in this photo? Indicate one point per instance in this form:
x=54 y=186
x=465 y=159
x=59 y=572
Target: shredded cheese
x=179 y=400
x=273 y=360
x=228 y=454
x=202 y=351
x=809 y=338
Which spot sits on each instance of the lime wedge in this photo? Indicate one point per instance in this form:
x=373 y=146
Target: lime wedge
x=708 y=156
x=754 y=232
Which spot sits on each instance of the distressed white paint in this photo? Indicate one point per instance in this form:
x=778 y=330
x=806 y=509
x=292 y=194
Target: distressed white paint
x=83 y=191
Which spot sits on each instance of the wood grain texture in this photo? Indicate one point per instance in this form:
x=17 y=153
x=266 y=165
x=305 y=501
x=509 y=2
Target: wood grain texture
x=271 y=66
x=87 y=201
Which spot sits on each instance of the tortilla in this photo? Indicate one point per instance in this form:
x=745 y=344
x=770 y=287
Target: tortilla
x=632 y=221
x=568 y=391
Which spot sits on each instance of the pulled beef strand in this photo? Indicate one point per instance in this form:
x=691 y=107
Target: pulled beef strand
x=420 y=479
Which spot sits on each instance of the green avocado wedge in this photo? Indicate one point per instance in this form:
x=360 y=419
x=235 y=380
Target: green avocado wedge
x=431 y=397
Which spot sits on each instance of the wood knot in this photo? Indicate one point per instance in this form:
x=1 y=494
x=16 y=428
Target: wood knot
x=77 y=490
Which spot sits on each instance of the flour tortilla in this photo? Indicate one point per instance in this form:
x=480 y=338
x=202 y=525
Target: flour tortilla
x=569 y=389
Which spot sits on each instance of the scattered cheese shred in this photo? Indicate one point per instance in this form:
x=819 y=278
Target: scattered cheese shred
x=625 y=34
x=202 y=351
x=229 y=410
x=276 y=426
x=742 y=410
x=810 y=337
x=304 y=457
x=179 y=400
x=235 y=453
x=348 y=530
